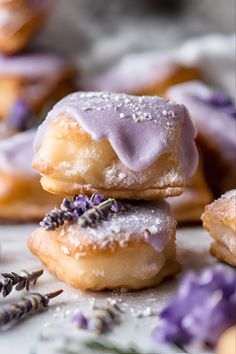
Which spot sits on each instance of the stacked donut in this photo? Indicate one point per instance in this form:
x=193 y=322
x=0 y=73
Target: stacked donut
x=117 y=156
x=181 y=75
x=31 y=81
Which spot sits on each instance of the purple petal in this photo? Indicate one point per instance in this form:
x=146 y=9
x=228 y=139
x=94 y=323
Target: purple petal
x=80 y=320
x=203 y=308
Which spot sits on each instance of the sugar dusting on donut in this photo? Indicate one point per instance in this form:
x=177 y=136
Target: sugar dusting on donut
x=139 y=129
x=151 y=222
x=16 y=154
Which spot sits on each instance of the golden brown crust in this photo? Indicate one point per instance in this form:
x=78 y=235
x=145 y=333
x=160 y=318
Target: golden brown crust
x=190 y=205
x=180 y=74
x=135 y=266
x=222 y=210
x=16 y=88
x=219 y=219
x=223 y=253
x=71 y=162
x=13 y=43
x=23 y=199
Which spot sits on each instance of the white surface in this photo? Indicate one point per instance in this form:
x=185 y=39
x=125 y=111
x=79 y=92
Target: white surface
x=193 y=244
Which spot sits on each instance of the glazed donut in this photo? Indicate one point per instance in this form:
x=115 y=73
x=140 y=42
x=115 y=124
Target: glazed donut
x=143 y=74
x=219 y=219
x=122 y=146
x=21 y=195
x=189 y=206
x=19 y=22
x=30 y=84
x=214 y=115
x=131 y=248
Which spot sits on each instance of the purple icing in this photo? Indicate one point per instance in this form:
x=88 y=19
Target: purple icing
x=212 y=120
x=16 y=153
x=151 y=222
x=221 y=101
x=32 y=65
x=139 y=129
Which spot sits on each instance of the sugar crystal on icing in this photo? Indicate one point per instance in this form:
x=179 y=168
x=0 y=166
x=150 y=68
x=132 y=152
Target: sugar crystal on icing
x=141 y=137
x=151 y=222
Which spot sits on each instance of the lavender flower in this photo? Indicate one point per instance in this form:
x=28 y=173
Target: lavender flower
x=102 y=320
x=221 y=101
x=28 y=305
x=19 y=115
x=86 y=211
x=204 y=307
x=80 y=320
x=20 y=282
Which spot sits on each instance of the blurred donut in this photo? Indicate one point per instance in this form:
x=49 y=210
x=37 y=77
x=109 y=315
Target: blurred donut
x=214 y=115
x=20 y=20
x=21 y=195
x=219 y=219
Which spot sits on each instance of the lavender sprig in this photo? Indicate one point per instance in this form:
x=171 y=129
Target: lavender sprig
x=29 y=304
x=103 y=320
x=86 y=211
x=20 y=282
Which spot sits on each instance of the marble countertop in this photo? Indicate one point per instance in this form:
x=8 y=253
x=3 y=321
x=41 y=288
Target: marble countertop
x=51 y=331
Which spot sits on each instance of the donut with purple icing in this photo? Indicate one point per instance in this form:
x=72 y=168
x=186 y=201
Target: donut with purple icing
x=31 y=83
x=21 y=195
x=105 y=246
x=122 y=146
x=20 y=20
x=214 y=115
x=143 y=74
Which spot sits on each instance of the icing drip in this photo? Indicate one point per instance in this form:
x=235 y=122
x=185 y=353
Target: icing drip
x=214 y=122
x=32 y=65
x=151 y=222
x=16 y=154
x=139 y=129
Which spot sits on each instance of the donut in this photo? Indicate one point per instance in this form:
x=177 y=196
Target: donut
x=121 y=146
x=131 y=247
x=214 y=115
x=20 y=20
x=219 y=219
x=21 y=195
x=143 y=74
x=189 y=206
x=31 y=83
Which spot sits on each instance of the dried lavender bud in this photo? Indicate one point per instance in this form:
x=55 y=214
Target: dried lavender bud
x=92 y=216
x=29 y=304
x=80 y=320
x=19 y=115
x=19 y=281
x=202 y=310
x=103 y=320
x=82 y=209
